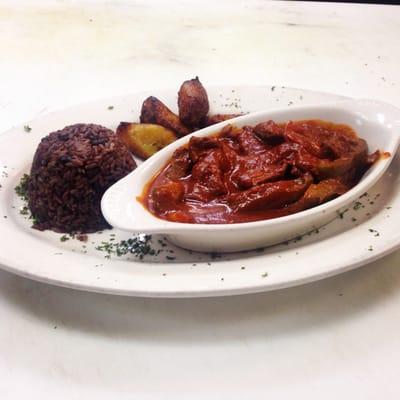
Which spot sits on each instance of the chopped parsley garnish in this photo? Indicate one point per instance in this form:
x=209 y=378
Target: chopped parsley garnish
x=64 y=238
x=139 y=246
x=24 y=210
x=341 y=213
x=27 y=128
x=110 y=108
x=374 y=231
x=22 y=188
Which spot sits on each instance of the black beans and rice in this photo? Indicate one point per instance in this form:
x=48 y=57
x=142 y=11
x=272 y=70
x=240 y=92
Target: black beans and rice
x=71 y=170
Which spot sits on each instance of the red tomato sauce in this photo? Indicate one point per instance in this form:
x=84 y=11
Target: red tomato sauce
x=258 y=173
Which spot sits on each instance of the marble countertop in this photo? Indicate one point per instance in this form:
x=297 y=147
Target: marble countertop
x=306 y=342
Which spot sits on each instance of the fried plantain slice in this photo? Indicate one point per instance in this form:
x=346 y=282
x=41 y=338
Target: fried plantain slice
x=144 y=140
x=155 y=111
x=193 y=103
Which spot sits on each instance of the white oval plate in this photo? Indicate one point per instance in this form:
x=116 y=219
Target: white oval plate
x=365 y=232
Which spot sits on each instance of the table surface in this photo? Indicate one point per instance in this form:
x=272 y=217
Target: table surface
x=330 y=339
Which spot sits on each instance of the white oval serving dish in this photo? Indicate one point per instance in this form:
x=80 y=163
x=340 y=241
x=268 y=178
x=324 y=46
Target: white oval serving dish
x=376 y=122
